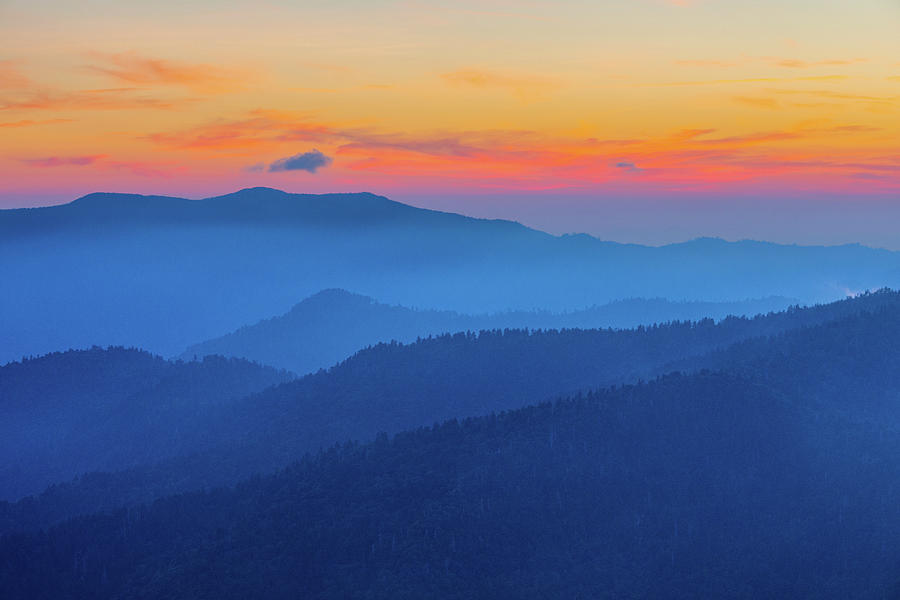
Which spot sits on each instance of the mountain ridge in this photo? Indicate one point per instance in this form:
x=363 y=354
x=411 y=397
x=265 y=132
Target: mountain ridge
x=146 y=275
x=392 y=387
x=248 y=205
x=118 y=200
x=331 y=325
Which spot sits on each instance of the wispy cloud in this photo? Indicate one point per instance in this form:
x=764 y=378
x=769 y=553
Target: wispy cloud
x=101 y=99
x=102 y=161
x=140 y=70
x=522 y=159
x=844 y=129
x=263 y=128
x=683 y=135
x=21 y=93
x=143 y=168
x=435 y=145
x=752 y=138
x=258 y=129
x=12 y=78
x=63 y=161
x=837 y=95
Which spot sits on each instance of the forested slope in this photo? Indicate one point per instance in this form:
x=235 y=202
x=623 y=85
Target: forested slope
x=392 y=387
x=331 y=325
x=73 y=412
x=691 y=486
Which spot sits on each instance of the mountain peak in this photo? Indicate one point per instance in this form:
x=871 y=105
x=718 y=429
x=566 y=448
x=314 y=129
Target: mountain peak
x=256 y=202
x=267 y=193
x=253 y=192
x=260 y=189
x=331 y=297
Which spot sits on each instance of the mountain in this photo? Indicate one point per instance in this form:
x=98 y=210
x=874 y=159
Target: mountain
x=811 y=363
x=705 y=486
x=108 y=409
x=162 y=273
x=96 y=212
x=329 y=326
x=393 y=387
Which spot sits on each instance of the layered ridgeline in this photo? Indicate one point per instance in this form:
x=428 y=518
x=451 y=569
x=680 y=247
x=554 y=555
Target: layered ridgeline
x=163 y=273
x=713 y=485
x=391 y=387
x=109 y=409
x=330 y=326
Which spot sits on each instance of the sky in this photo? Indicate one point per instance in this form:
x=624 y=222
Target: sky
x=646 y=121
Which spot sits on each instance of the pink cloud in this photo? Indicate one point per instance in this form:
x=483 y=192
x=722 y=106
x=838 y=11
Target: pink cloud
x=63 y=161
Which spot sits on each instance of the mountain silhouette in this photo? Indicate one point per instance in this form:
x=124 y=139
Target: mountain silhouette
x=251 y=206
x=328 y=327
x=163 y=273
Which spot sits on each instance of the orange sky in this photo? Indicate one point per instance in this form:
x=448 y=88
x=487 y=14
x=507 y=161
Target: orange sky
x=419 y=99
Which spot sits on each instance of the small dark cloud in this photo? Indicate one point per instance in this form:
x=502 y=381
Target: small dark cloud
x=307 y=161
x=626 y=165
x=257 y=168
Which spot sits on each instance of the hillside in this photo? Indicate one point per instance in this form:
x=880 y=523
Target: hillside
x=164 y=273
x=811 y=363
x=700 y=486
x=73 y=412
x=392 y=387
x=330 y=326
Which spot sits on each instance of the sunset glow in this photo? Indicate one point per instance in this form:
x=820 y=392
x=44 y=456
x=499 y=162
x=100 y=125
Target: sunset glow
x=414 y=100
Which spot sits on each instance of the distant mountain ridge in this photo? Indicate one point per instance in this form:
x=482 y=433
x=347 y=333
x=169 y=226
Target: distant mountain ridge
x=392 y=387
x=251 y=206
x=162 y=273
x=333 y=324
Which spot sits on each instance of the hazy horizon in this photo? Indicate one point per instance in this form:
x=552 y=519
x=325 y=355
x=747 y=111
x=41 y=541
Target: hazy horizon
x=643 y=221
